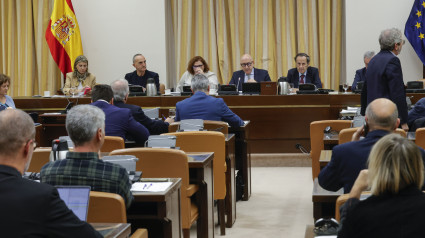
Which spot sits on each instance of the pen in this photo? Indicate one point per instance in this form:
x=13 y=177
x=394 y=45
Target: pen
x=149 y=186
x=163 y=117
x=144 y=186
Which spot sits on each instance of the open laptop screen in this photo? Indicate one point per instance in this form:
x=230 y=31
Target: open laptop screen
x=76 y=198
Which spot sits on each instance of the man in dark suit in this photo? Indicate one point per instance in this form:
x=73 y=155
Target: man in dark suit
x=384 y=78
x=350 y=158
x=248 y=74
x=119 y=121
x=202 y=106
x=29 y=208
x=141 y=75
x=121 y=91
x=303 y=73
x=361 y=73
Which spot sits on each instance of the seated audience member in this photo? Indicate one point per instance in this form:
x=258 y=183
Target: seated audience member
x=119 y=121
x=121 y=91
x=418 y=111
x=29 y=208
x=303 y=73
x=5 y=100
x=141 y=75
x=197 y=65
x=396 y=207
x=85 y=125
x=203 y=106
x=350 y=158
x=80 y=79
x=361 y=73
x=248 y=74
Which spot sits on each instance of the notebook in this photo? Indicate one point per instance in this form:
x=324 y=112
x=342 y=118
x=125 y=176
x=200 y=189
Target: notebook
x=76 y=198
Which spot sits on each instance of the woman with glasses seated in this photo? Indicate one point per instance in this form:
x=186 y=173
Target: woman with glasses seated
x=197 y=65
x=5 y=100
x=396 y=207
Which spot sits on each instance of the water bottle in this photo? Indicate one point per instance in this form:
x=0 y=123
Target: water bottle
x=151 y=89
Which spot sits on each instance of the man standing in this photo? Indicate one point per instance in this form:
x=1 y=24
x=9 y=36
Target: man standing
x=384 y=78
x=141 y=74
x=119 y=121
x=85 y=125
x=248 y=74
x=350 y=158
x=361 y=73
x=303 y=73
x=121 y=91
x=28 y=208
x=202 y=106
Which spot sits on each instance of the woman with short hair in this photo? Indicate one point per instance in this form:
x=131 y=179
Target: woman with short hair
x=5 y=100
x=197 y=65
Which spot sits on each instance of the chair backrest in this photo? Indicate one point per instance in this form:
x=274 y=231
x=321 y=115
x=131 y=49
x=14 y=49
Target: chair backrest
x=40 y=157
x=112 y=143
x=401 y=132
x=162 y=88
x=339 y=202
x=346 y=134
x=207 y=141
x=316 y=139
x=220 y=126
x=420 y=137
x=106 y=208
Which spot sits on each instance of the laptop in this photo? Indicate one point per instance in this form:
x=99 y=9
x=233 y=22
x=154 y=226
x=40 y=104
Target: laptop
x=76 y=198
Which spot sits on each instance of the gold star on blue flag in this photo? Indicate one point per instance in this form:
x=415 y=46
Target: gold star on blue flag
x=414 y=31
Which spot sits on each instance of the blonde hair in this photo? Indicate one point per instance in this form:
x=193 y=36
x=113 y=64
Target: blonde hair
x=394 y=163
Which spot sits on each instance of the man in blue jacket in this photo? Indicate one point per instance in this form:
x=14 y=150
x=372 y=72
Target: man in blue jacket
x=203 y=106
x=248 y=74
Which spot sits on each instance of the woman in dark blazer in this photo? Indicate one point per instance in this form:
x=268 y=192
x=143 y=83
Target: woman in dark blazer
x=396 y=207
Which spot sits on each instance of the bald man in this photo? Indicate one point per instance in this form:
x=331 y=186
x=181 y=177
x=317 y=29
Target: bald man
x=248 y=74
x=350 y=158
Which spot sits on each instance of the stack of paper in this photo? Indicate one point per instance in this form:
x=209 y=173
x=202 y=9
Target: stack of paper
x=150 y=186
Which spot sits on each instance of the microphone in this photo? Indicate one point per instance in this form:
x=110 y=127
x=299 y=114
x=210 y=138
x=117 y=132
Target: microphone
x=237 y=87
x=301 y=148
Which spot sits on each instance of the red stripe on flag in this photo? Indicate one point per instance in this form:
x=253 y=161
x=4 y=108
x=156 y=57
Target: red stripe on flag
x=59 y=54
x=70 y=5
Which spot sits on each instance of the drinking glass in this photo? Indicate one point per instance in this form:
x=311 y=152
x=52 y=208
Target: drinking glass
x=73 y=91
x=172 y=112
x=345 y=87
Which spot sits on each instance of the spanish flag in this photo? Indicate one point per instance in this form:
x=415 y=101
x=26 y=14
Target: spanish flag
x=63 y=35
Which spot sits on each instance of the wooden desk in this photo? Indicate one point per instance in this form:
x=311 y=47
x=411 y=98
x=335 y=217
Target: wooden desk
x=325 y=158
x=230 y=199
x=201 y=173
x=159 y=212
x=243 y=156
x=113 y=230
x=324 y=201
x=53 y=128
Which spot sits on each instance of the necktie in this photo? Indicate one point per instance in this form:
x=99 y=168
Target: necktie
x=302 y=79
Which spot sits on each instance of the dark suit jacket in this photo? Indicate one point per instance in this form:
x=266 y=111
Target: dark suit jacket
x=133 y=78
x=120 y=122
x=260 y=75
x=359 y=77
x=417 y=112
x=384 y=79
x=311 y=76
x=31 y=209
x=155 y=127
x=386 y=215
x=202 y=106
x=348 y=160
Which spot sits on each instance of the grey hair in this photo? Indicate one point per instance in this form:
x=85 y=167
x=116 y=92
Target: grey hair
x=389 y=37
x=16 y=128
x=120 y=89
x=368 y=54
x=134 y=57
x=82 y=123
x=385 y=122
x=199 y=83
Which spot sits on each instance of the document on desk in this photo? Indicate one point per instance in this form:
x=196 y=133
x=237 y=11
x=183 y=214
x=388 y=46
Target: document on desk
x=150 y=186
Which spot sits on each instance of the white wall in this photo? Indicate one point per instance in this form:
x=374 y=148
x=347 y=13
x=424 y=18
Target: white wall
x=365 y=19
x=113 y=31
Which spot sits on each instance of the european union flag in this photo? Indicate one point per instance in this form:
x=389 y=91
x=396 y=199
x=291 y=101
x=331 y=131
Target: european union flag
x=414 y=29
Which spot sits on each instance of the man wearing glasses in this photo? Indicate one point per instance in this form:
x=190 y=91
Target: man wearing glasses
x=303 y=73
x=248 y=74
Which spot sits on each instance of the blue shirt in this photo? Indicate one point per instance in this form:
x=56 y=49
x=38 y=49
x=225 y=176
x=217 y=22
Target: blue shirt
x=9 y=103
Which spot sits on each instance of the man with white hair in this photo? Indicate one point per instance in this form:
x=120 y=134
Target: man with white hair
x=361 y=73
x=85 y=125
x=121 y=92
x=248 y=74
x=29 y=208
x=384 y=77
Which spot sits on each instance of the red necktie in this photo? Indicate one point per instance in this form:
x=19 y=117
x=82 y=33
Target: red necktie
x=302 y=79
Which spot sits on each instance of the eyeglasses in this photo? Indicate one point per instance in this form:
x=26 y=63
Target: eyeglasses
x=246 y=64
x=197 y=66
